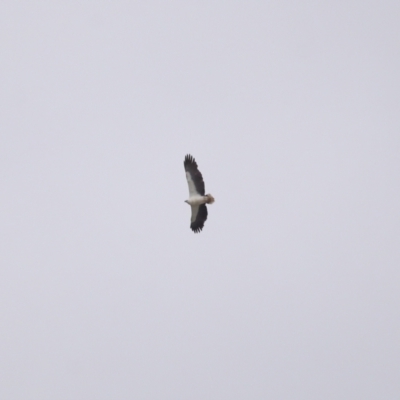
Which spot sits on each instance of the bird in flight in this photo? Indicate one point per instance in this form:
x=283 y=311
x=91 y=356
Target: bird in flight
x=197 y=199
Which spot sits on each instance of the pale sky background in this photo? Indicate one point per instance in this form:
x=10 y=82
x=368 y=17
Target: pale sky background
x=292 y=111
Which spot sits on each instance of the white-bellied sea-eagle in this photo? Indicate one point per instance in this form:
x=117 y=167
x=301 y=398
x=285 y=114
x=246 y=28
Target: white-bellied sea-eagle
x=197 y=199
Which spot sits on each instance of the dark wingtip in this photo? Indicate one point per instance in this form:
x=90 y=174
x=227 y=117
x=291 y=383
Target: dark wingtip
x=189 y=159
x=197 y=229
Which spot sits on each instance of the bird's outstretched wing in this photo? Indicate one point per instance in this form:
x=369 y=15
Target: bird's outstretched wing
x=199 y=216
x=194 y=177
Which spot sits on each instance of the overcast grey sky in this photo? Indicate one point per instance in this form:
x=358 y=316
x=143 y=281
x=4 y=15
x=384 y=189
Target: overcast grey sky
x=292 y=111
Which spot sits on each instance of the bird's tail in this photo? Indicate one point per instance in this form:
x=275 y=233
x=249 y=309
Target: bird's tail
x=210 y=199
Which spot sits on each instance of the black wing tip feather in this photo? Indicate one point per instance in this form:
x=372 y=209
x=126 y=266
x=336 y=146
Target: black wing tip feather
x=189 y=161
x=196 y=228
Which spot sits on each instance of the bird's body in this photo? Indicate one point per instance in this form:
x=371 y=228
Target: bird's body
x=197 y=199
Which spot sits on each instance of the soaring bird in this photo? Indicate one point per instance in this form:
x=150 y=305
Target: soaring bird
x=197 y=199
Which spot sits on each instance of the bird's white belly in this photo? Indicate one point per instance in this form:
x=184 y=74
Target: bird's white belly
x=196 y=200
